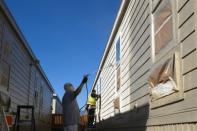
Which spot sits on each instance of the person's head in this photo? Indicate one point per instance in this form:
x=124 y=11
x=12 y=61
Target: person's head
x=68 y=87
x=93 y=91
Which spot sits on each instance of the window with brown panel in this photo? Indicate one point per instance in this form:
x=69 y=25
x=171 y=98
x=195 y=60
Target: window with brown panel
x=118 y=78
x=5 y=66
x=1 y=32
x=117 y=105
x=6 y=52
x=4 y=76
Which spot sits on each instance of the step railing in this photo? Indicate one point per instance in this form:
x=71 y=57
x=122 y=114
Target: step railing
x=57 y=120
x=4 y=124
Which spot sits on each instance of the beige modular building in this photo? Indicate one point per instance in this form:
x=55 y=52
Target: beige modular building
x=21 y=76
x=147 y=75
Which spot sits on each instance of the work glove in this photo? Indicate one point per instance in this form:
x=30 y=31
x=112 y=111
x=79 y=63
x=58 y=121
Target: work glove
x=85 y=79
x=99 y=96
x=87 y=107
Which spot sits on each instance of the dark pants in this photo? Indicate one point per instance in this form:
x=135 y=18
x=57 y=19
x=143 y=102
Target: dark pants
x=91 y=118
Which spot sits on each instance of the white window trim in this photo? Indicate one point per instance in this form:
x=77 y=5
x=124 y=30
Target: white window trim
x=171 y=48
x=118 y=65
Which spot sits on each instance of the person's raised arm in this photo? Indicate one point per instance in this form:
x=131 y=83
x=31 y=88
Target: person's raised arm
x=78 y=90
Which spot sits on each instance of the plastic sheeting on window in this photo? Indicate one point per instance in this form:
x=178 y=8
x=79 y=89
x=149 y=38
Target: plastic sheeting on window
x=163 y=25
x=162 y=13
x=164 y=36
x=162 y=79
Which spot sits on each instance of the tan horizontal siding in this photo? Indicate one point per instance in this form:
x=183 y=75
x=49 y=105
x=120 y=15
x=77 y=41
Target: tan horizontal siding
x=190 y=81
x=133 y=7
x=137 y=43
x=133 y=33
x=127 y=16
x=182 y=111
x=187 y=28
x=186 y=12
x=181 y=4
x=133 y=58
x=136 y=62
x=189 y=63
x=188 y=45
x=174 y=127
x=136 y=17
x=108 y=86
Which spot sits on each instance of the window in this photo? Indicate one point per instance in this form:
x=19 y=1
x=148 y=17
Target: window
x=41 y=96
x=4 y=76
x=118 y=78
x=163 y=79
x=36 y=98
x=5 y=66
x=1 y=33
x=163 y=25
x=6 y=52
x=118 y=65
x=165 y=74
x=118 y=51
x=37 y=95
x=117 y=106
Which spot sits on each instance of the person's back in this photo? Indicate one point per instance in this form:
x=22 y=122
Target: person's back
x=70 y=109
x=91 y=106
x=70 y=106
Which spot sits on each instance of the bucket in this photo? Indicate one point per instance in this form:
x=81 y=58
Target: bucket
x=9 y=119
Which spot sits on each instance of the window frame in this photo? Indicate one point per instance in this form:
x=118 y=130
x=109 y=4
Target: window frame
x=6 y=90
x=6 y=59
x=1 y=33
x=170 y=49
x=118 y=68
x=6 y=56
x=117 y=105
x=37 y=88
x=175 y=96
x=118 y=40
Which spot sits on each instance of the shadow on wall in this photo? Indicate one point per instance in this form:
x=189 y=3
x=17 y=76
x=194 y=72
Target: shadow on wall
x=133 y=120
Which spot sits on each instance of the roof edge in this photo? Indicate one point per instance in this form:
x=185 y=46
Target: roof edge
x=114 y=31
